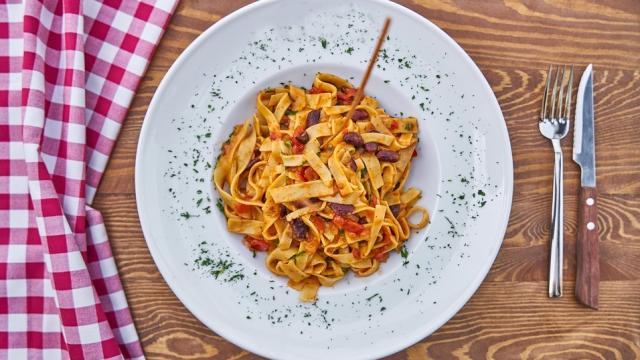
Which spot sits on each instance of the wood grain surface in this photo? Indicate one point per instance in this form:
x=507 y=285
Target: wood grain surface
x=510 y=316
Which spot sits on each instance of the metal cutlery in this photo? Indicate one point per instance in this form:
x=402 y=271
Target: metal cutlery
x=587 y=251
x=554 y=125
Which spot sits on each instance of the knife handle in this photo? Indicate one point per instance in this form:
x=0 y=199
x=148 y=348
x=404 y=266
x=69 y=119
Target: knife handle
x=587 y=252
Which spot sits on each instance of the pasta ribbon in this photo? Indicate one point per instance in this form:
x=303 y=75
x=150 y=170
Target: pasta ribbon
x=293 y=180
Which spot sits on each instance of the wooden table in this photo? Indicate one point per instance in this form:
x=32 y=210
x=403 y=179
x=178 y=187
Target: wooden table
x=510 y=316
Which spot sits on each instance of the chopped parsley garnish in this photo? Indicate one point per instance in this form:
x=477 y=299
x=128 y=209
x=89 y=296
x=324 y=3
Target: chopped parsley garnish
x=298 y=254
x=349 y=50
x=408 y=127
x=373 y=296
x=220 y=205
x=290 y=112
x=363 y=172
x=481 y=193
x=187 y=215
x=220 y=267
x=236 y=277
x=404 y=252
x=324 y=42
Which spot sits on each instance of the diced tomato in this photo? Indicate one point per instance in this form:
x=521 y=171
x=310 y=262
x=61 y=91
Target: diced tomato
x=299 y=130
x=316 y=90
x=298 y=147
x=394 y=125
x=356 y=253
x=348 y=225
x=274 y=135
x=381 y=256
x=346 y=95
x=319 y=223
x=256 y=244
x=285 y=120
x=299 y=171
x=310 y=174
x=386 y=239
x=415 y=153
x=242 y=208
x=374 y=201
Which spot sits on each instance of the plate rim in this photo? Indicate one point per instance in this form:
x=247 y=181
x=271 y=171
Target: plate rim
x=421 y=332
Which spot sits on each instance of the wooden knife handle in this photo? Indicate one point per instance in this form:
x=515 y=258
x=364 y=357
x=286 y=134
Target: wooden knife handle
x=587 y=252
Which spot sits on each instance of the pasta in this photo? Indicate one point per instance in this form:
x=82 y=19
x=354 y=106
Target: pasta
x=320 y=193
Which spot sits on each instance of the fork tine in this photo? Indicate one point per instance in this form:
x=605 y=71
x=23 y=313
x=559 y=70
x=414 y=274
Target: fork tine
x=567 y=110
x=561 y=93
x=554 y=95
x=543 y=112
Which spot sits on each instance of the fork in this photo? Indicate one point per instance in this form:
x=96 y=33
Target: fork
x=554 y=125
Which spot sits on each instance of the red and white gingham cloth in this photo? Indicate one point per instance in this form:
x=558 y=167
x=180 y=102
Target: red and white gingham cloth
x=68 y=72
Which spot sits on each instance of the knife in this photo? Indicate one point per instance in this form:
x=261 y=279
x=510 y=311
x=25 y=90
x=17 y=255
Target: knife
x=587 y=247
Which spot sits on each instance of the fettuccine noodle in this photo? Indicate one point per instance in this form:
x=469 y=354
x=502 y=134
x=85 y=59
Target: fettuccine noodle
x=320 y=193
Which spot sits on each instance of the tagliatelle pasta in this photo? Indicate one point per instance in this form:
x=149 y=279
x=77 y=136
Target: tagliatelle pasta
x=320 y=193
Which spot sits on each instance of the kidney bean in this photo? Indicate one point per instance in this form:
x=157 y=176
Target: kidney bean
x=360 y=114
x=342 y=209
x=354 y=139
x=251 y=163
x=284 y=122
x=352 y=165
x=242 y=184
x=313 y=117
x=388 y=156
x=371 y=147
x=300 y=229
x=303 y=138
x=395 y=209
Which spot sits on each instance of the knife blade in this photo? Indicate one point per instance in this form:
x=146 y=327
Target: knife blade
x=583 y=131
x=587 y=247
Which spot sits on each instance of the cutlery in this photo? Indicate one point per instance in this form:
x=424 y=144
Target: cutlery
x=587 y=252
x=554 y=125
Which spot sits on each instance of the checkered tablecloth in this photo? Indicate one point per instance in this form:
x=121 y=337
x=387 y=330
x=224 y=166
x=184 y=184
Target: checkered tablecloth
x=68 y=72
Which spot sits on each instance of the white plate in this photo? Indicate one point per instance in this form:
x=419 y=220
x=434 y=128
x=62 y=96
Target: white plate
x=464 y=168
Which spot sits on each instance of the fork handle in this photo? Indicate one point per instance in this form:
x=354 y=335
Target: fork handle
x=587 y=251
x=557 y=226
